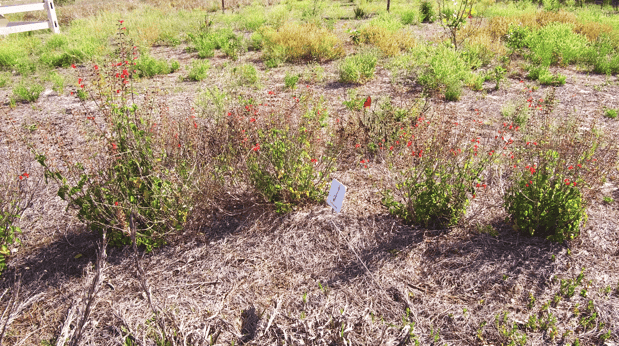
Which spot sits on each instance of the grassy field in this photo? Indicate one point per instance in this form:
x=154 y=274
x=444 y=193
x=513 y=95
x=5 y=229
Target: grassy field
x=166 y=166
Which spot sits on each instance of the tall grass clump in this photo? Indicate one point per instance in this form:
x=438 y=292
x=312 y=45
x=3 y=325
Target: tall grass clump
x=295 y=42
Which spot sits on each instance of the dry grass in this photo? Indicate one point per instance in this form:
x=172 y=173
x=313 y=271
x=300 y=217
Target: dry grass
x=390 y=43
x=295 y=42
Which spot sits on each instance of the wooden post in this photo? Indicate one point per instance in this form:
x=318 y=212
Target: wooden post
x=223 y=7
x=388 y=5
x=51 y=16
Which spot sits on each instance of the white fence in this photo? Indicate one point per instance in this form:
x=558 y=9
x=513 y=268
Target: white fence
x=15 y=27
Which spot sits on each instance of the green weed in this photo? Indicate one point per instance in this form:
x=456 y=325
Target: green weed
x=199 y=70
x=27 y=92
x=290 y=81
x=246 y=74
x=358 y=68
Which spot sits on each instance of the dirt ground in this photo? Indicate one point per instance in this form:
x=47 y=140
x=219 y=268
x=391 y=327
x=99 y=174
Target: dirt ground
x=313 y=277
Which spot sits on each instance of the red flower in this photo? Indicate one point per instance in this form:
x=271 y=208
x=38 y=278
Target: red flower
x=20 y=177
x=574 y=183
x=195 y=125
x=484 y=186
x=391 y=147
x=534 y=143
x=579 y=165
x=362 y=161
x=252 y=120
x=115 y=203
x=114 y=146
x=229 y=114
x=256 y=148
x=409 y=144
x=118 y=91
x=357 y=145
x=368 y=102
x=96 y=67
x=570 y=167
x=121 y=21
x=531 y=182
x=79 y=81
x=179 y=145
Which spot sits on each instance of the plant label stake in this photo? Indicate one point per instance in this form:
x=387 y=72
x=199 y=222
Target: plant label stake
x=336 y=195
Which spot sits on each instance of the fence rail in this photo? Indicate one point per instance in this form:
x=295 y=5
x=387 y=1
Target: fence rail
x=7 y=27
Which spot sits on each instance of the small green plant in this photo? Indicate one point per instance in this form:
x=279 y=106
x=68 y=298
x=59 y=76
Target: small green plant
x=358 y=68
x=611 y=113
x=531 y=302
x=290 y=81
x=359 y=13
x=608 y=199
x=199 y=70
x=353 y=103
x=532 y=323
x=31 y=93
x=4 y=79
x=426 y=12
x=545 y=77
x=247 y=74
x=82 y=95
x=57 y=82
x=499 y=75
x=487 y=229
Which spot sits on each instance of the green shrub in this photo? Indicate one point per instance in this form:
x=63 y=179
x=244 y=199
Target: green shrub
x=556 y=44
x=409 y=17
x=444 y=69
x=438 y=170
x=293 y=42
x=555 y=171
x=546 y=203
x=199 y=70
x=31 y=93
x=247 y=74
x=358 y=68
x=290 y=81
x=142 y=174
x=289 y=160
x=148 y=66
x=426 y=12
x=603 y=56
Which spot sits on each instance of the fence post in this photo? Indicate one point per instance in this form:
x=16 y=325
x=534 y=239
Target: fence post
x=51 y=16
